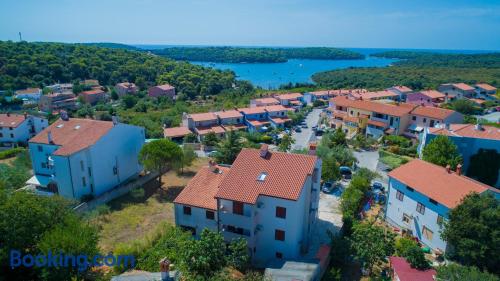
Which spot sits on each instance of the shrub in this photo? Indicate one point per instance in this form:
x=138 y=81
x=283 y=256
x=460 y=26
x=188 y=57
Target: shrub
x=9 y=153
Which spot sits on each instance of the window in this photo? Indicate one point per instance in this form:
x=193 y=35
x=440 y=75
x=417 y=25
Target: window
x=427 y=233
x=279 y=255
x=282 y=113
x=186 y=210
x=189 y=228
x=90 y=172
x=406 y=218
x=279 y=235
x=400 y=195
x=44 y=165
x=1 y=135
x=237 y=208
x=84 y=181
x=425 y=120
x=421 y=208
x=433 y=201
x=12 y=135
x=352 y=112
x=40 y=148
x=410 y=189
x=281 y=212
x=262 y=176
x=81 y=165
x=210 y=215
x=440 y=220
x=414 y=118
x=10 y=128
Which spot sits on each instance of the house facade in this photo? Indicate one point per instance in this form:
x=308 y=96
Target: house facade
x=457 y=90
x=29 y=96
x=202 y=124
x=485 y=91
x=268 y=198
x=401 y=91
x=92 y=97
x=427 y=98
x=19 y=128
x=290 y=99
x=57 y=101
x=126 y=88
x=165 y=90
x=77 y=157
x=420 y=197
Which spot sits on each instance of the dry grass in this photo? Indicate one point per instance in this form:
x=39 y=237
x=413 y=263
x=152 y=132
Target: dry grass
x=138 y=213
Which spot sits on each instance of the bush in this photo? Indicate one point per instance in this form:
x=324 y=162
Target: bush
x=9 y=153
x=403 y=245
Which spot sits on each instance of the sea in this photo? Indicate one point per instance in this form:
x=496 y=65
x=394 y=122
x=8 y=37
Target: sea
x=273 y=75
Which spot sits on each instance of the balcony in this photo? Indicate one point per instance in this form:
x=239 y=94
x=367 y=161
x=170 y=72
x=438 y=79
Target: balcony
x=229 y=218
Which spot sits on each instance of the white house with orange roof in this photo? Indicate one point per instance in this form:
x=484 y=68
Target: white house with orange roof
x=486 y=91
x=468 y=138
x=431 y=116
x=202 y=124
x=19 y=128
x=268 y=198
x=290 y=99
x=77 y=157
x=401 y=91
x=231 y=120
x=268 y=101
x=421 y=195
x=457 y=90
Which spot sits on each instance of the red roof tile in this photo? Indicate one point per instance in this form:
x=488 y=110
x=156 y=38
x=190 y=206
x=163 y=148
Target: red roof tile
x=374 y=95
x=405 y=272
x=289 y=96
x=267 y=101
x=433 y=94
x=258 y=123
x=436 y=183
x=463 y=86
x=377 y=123
x=73 y=135
x=229 y=114
x=28 y=91
x=486 y=87
x=469 y=131
x=208 y=116
x=201 y=189
x=206 y=130
x=276 y=108
x=280 y=120
x=176 y=132
x=11 y=120
x=92 y=92
x=235 y=127
x=403 y=89
x=286 y=175
x=165 y=87
x=433 y=112
x=252 y=110
x=389 y=109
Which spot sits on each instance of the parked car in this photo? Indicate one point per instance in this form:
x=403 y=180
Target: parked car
x=319 y=133
x=345 y=172
x=327 y=187
x=304 y=126
x=377 y=186
x=298 y=129
x=315 y=127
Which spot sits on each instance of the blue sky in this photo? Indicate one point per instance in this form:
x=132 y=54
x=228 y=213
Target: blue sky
x=429 y=24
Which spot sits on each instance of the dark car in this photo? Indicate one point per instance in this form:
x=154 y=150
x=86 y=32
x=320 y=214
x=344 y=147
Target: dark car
x=345 y=172
x=298 y=129
x=327 y=187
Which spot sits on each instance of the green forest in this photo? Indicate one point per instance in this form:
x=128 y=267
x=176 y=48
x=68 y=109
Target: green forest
x=254 y=55
x=418 y=70
x=40 y=64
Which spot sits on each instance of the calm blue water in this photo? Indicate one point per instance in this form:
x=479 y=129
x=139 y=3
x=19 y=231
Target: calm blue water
x=272 y=75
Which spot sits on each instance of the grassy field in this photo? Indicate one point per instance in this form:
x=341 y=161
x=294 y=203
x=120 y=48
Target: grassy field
x=393 y=160
x=138 y=213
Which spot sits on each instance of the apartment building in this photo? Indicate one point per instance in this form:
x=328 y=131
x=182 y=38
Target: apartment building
x=457 y=90
x=29 y=95
x=430 y=116
x=92 y=97
x=468 y=138
x=57 y=101
x=401 y=91
x=268 y=198
x=255 y=118
x=77 y=157
x=126 y=88
x=231 y=120
x=164 y=90
x=202 y=124
x=290 y=99
x=427 y=98
x=421 y=196
x=278 y=115
x=485 y=91
x=269 y=101
x=19 y=128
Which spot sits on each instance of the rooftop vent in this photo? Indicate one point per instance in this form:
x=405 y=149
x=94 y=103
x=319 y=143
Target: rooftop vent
x=60 y=126
x=262 y=176
x=77 y=127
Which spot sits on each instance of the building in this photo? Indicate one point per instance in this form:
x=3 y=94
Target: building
x=264 y=102
x=29 y=95
x=92 y=83
x=202 y=124
x=278 y=115
x=57 y=101
x=165 y=90
x=126 y=88
x=290 y=99
x=84 y=157
x=485 y=91
x=231 y=120
x=468 y=138
x=61 y=88
x=324 y=95
x=430 y=116
x=420 y=197
x=93 y=96
x=401 y=270
x=19 y=128
x=427 y=98
x=401 y=91
x=255 y=118
x=176 y=134
x=371 y=96
x=457 y=90
x=268 y=198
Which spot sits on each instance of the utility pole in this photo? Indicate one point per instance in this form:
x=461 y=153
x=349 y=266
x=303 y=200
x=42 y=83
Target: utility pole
x=20 y=37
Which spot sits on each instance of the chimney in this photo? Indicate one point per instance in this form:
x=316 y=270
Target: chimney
x=114 y=119
x=64 y=115
x=165 y=269
x=49 y=137
x=448 y=168
x=25 y=115
x=478 y=126
x=312 y=148
x=459 y=169
x=8 y=114
x=264 y=149
x=212 y=166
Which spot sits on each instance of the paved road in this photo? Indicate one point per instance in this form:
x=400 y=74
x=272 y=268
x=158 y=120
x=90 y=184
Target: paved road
x=302 y=139
x=369 y=160
x=492 y=117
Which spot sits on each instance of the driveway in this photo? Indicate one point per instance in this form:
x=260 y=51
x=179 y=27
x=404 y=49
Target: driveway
x=303 y=138
x=369 y=160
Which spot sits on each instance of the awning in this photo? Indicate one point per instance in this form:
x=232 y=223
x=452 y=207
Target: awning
x=39 y=180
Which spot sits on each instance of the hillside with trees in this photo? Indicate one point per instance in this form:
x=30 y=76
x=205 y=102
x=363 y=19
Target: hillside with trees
x=254 y=55
x=418 y=70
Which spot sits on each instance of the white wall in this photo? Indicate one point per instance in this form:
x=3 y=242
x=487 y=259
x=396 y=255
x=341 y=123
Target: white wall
x=197 y=219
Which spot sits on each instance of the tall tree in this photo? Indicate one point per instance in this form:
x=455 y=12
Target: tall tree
x=228 y=150
x=188 y=156
x=330 y=169
x=473 y=231
x=286 y=143
x=456 y=272
x=442 y=151
x=484 y=166
x=160 y=155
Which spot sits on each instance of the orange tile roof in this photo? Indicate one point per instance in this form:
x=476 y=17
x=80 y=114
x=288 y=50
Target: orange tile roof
x=197 y=117
x=257 y=123
x=286 y=175
x=433 y=94
x=486 y=87
x=435 y=182
x=205 y=130
x=377 y=123
x=11 y=120
x=289 y=96
x=267 y=100
x=252 y=110
x=295 y=102
x=469 y=131
x=229 y=114
x=126 y=84
x=352 y=119
x=176 y=132
x=280 y=120
x=276 y=108
x=165 y=87
x=478 y=101
x=389 y=109
x=92 y=92
x=433 y=112
x=340 y=114
x=28 y=91
x=374 y=95
x=202 y=188
x=234 y=127
x=403 y=89
x=463 y=86
x=73 y=135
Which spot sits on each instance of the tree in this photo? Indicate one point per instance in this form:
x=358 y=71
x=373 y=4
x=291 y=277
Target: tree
x=238 y=256
x=286 y=143
x=371 y=244
x=228 y=150
x=484 y=166
x=206 y=256
x=188 y=156
x=472 y=231
x=159 y=155
x=415 y=256
x=337 y=138
x=442 y=151
x=190 y=138
x=330 y=169
x=463 y=106
x=353 y=197
x=456 y=272
x=210 y=139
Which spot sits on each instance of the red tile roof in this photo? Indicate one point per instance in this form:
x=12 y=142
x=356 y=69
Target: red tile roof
x=405 y=272
x=165 y=87
x=435 y=182
x=252 y=110
x=286 y=175
x=469 y=131
x=463 y=86
x=73 y=135
x=229 y=114
x=486 y=87
x=377 y=123
x=28 y=91
x=403 y=89
x=126 y=85
x=289 y=96
x=276 y=108
x=11 y=120
x=433 y=94
x=235 y=127
x=208 y=116
x=374 y=95
x=206 y=130
x=258 y=123
x=176 y=132
x=202 y=188
x=433 y=112
x=267 y=101
x=280 y=120
x=92 y=92
x=389 y=109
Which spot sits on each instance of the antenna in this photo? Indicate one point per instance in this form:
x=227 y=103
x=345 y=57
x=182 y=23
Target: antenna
x=20 y=37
